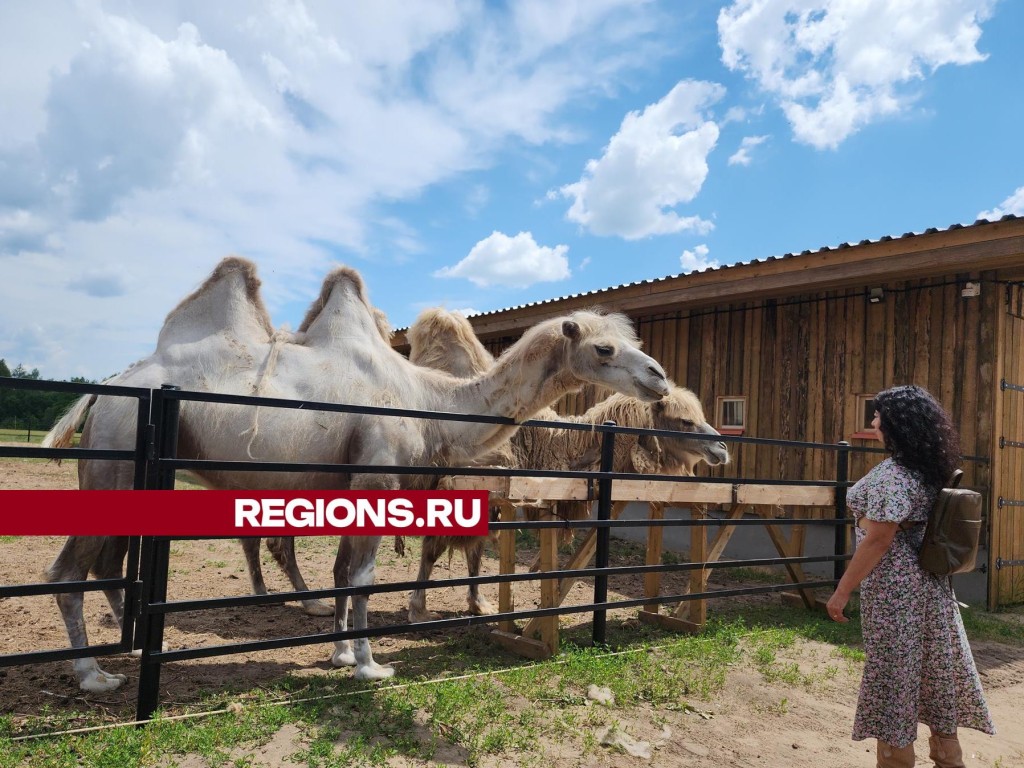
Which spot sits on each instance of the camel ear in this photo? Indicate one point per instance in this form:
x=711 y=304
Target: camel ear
x=570 y=329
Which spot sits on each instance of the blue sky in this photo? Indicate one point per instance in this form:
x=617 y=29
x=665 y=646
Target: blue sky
x=475 y=155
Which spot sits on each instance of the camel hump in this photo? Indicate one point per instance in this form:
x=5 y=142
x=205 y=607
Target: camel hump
x=446 y=341
x=349 y=281
x=229 y=299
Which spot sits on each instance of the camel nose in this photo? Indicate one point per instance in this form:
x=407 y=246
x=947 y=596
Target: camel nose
x=656 y=371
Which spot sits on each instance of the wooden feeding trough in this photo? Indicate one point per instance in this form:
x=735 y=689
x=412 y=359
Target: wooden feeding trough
x=539 y=637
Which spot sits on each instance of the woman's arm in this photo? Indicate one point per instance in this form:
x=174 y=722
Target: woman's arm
x=876 y=542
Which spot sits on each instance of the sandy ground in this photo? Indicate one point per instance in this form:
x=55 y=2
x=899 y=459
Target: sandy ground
x=750 y=723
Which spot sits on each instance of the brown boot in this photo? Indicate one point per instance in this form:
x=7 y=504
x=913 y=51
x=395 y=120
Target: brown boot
x=945 y=751
x=895 y=757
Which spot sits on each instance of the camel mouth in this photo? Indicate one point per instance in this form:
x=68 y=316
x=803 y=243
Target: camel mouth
x=716 y=456
x=649 y=394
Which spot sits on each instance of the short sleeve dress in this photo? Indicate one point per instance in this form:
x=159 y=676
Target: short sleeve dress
x=919 y=667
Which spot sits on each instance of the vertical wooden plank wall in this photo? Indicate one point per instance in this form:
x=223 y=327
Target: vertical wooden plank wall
x=1006 y=585
x=801 y=363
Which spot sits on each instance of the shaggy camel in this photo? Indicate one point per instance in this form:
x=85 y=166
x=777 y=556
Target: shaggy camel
x=445 y=340
x=220 y=339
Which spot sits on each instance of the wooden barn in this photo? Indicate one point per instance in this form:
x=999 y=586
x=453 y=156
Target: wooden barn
x=795 y=347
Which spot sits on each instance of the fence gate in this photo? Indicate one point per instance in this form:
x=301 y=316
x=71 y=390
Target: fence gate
x=1006 y=538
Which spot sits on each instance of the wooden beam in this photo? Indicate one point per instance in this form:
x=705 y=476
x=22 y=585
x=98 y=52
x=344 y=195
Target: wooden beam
x=652 y=581
x=549 y=588
x=522 y=646
x=785 y=495
x=506 y=564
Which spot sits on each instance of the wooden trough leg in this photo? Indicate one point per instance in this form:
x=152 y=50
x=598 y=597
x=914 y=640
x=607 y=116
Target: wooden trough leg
x=549 y=589
x=680 y=617
x=690 y=616
x=506 y=564
x=505 y=635
x=655 y=537
x=793 y=546
x=580 y=559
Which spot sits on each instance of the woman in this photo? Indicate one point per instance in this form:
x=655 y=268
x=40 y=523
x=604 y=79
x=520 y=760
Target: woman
x=919 y=666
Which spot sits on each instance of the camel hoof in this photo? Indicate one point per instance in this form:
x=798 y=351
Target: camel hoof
x=317 y=608
x=374 y=671
x=98 y=681
x=419 y=616
x=343 y=658
x=482 y=608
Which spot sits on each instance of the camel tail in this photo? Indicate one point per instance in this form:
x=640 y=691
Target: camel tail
x=63 y=432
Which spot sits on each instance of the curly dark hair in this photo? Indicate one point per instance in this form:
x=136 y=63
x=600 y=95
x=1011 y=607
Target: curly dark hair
x=918 y=432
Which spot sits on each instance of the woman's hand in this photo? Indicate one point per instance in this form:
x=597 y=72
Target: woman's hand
x=836 y=604
x=877 y=539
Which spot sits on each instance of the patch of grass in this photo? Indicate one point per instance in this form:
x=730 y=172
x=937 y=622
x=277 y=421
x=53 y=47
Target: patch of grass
x=7 y=539
x=758 y=575
x=987 y=626
x=30 y=436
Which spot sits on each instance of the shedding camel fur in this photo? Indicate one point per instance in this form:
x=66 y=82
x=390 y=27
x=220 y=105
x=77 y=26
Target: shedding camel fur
x=445 y=340
x=219 y=339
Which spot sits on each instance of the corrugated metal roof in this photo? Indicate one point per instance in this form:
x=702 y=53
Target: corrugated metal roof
x=723 y=268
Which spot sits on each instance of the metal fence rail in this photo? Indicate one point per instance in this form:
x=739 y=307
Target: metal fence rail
x=146 y=578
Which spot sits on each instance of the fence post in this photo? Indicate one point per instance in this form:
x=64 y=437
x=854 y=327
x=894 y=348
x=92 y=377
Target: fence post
x=604 y=512
x=842 y=477
x=156 y=555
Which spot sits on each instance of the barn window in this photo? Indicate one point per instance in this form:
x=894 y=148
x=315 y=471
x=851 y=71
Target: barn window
x=865 y=414
x=731 y=415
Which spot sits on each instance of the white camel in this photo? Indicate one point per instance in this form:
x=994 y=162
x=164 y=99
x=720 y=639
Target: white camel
x=219 y=339
x=282 y=547
x=446 y=341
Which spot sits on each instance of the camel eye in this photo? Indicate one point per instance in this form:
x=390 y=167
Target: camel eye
x=688 y=426
x=603 y=351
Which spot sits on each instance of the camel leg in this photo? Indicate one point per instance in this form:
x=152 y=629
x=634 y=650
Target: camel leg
x=478 y=604
x=433 y=548
x=251 y=547
x=343 y=655
x=283 y=550
x=110 y=565
x=76 y=559
x=361 y=573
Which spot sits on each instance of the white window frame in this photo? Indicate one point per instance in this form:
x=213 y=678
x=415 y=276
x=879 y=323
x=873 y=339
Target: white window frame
x=720 y=404
x=862 y=427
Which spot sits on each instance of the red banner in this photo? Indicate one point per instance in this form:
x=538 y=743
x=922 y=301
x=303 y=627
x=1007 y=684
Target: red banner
x=243 y=513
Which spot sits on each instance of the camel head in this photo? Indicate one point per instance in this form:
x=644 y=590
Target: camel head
x=681 y=411
x=603 y=349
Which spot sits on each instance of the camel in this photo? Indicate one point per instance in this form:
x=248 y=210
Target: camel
x=445 y=340
x=220 y=339
x=282 y=547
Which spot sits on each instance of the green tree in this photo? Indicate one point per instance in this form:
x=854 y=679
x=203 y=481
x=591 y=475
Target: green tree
x=4 y=370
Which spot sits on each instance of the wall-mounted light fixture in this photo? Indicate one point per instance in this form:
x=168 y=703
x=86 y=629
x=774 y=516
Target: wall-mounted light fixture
x=876 y=295
x=970 y=289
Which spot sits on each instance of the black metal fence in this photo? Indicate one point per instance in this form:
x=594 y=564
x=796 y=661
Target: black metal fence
x=146 y=578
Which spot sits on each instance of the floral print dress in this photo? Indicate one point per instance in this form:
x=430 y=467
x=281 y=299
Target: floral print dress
x=919 y=666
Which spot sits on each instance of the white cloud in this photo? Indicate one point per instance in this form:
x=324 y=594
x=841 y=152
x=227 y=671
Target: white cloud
x=837 y=65
x=742 y=155
x=656 y=161
x=511 y=262
x=100 y=284
x=696 y=259
x=148 y=145
x=1013 y=204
